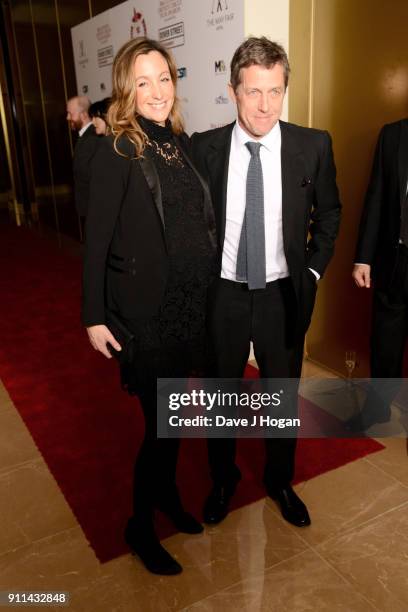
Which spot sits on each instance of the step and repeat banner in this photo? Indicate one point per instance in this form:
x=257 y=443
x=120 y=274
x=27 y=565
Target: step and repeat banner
x=202 y=35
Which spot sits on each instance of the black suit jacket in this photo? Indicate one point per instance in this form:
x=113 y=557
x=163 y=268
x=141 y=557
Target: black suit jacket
x=310 y=200
x=125 y=260
x=381 y=219
x=84 y=152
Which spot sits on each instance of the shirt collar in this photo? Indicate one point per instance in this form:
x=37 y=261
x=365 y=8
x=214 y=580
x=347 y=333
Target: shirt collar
x=269 y=141
x=83 y=129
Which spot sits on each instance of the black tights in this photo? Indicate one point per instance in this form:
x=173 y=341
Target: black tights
x=154 y=476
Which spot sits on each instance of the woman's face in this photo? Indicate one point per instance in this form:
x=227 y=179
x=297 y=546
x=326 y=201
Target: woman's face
x=100 y=126
x=154 y=87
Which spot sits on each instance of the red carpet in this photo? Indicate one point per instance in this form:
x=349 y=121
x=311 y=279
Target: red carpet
x=87 y=430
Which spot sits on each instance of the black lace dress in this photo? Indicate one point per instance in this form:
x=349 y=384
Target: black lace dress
x=174 y=343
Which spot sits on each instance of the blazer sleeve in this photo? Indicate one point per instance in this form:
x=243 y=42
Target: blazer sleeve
x=108 y=184
x=371 y=215
x=325 y=215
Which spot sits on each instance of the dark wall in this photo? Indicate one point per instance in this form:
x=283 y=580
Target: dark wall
x=43 y=79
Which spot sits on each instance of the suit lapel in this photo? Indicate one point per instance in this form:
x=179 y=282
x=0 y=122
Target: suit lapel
x=217 y=164
x=152 y=178
x=149 y=172
x=208 y=209
x=403 y=161
x=293 y=173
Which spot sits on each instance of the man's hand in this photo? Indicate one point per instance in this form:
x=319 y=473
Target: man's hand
x=99 y=335
x=362 y=275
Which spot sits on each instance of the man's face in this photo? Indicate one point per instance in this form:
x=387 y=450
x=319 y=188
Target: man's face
x=259 y=98
x=74 y=117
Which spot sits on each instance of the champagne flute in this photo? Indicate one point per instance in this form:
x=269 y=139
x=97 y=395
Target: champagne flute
x=350 y=362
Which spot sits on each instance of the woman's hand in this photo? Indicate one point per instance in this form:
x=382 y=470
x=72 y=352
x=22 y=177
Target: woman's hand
x=99 y=335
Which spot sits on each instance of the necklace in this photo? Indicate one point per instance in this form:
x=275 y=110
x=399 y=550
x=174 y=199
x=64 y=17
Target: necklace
x=168 y=151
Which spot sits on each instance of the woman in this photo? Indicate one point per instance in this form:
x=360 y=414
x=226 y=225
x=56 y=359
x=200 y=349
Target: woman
x=149 y=257
x=97 y=112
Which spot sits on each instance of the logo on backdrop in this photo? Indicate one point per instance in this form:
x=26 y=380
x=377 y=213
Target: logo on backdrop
x=102 y=87
x=105 y=56
x=168 y=9
x=103 y=33
x=83 y=60
x=85 y=89
x=172 y=35
x=221 y=99
x=138 y=25
x=218 y=6
x=220 y=15
x=220 y=67
x=181 y=72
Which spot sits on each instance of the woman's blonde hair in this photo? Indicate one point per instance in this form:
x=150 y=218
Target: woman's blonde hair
x=122 y=113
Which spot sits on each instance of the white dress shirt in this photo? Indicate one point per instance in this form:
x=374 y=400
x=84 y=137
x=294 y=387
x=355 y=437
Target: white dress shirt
x=270 y=153
x=83 y=129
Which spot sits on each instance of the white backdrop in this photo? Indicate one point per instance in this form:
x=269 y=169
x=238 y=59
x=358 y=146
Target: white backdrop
x=202 y=34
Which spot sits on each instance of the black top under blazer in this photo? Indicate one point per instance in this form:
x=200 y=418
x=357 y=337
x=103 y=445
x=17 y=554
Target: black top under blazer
x=380 y=223
x=125 y=259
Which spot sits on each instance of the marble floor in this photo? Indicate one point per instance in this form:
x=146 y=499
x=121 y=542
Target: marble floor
x=353 y=558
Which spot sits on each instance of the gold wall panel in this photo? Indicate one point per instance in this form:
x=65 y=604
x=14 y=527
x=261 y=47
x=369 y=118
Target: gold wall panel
x=6 y=188
x=47 y=78
x=358 y=81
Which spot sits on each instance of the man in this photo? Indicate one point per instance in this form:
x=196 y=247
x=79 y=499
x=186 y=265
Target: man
x=85 y=148
x=382 y=256
x=272 y=183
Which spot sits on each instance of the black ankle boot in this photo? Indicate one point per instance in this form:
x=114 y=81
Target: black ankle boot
x=142 y=540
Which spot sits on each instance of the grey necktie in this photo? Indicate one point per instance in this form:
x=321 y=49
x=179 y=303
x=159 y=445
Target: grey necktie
x=251 y=251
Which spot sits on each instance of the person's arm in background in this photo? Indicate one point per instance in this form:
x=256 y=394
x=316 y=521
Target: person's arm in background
x=370 y=221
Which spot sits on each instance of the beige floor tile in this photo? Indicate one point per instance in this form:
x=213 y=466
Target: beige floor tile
x=31 y=506
x=246 y=543
x=345 y=498
x=17 y=446
x=65 y=562
x=394 y=459
x=374 y=558
x=303 y=583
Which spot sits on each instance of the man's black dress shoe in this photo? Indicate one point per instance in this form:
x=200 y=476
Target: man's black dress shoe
x=216 y=506
x=143 y=541
x=293 y=509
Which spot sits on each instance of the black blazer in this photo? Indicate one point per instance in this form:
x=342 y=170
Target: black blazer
x=84 y=152
x=381 y=218
x=310 y=199
x=125 y=260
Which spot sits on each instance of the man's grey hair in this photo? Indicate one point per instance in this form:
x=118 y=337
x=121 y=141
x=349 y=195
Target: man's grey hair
x=259 y=52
